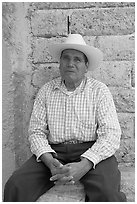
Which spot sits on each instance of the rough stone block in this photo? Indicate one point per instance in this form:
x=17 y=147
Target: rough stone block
x=126 y=152
x=127 y=123
x=75 y=193
x=133 y=76
x=114 y=73
x=64 y=193
x=44 y=73
x=68 y=5
x=112 y=21
x=124 y=99
x=49 y=23
x=40 y=48
x=117 y=47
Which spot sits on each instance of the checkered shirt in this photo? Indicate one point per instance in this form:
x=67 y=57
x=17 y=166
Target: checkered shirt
x=87 y=114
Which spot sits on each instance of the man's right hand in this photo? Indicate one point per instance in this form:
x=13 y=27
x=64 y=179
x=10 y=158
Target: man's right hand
x=54 y=165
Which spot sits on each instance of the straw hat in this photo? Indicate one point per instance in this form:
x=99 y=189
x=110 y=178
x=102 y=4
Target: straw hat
x=76 y=41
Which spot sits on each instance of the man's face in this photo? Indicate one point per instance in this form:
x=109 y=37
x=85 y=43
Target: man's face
x=72 y=65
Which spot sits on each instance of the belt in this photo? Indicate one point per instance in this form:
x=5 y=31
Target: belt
x=72 y=142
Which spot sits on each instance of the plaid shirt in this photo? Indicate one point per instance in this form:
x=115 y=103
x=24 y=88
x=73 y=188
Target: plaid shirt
x=87 y=114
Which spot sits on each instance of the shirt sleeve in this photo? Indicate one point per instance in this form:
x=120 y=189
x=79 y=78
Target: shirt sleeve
x=108 y=129
x=38 y=128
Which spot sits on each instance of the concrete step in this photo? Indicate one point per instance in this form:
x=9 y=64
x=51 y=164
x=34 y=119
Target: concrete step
x=75 y=193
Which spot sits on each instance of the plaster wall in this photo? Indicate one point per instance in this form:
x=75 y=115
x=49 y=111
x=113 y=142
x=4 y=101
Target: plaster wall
x=8 y=156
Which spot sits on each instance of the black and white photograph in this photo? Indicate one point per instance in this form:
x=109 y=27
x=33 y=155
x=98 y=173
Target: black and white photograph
x=68 y=101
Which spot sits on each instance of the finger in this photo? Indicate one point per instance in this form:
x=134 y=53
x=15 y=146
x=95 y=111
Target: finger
x=55 y=177
x=64 y=180
x=58 y=173
x=61 y=178
x=71 y=182
x=65 y=170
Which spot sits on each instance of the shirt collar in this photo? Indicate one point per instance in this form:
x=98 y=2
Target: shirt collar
x=59 y=84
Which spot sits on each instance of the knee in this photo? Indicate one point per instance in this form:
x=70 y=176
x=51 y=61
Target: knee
x=11 y=189
x=12 y=181
x=99 y=195
x=111 y=195
x=106 y=193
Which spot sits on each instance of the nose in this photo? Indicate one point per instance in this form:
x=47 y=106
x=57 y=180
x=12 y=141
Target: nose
x=71 y=63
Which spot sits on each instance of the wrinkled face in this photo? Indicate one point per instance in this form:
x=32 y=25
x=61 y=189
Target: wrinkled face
x=72 y=65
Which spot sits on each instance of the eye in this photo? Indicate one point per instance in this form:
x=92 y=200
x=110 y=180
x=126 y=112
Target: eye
x=65 y=57
x=77 y=59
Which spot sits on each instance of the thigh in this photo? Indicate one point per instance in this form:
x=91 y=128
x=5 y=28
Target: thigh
x=32 y=170
x=103 y=182
x=106 y=172
x=31 y=180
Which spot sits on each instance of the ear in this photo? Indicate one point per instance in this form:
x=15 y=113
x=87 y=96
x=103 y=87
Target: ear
x=86 y=67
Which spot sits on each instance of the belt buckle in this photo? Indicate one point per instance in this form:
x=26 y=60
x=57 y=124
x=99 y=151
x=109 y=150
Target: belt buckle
x=72 y=142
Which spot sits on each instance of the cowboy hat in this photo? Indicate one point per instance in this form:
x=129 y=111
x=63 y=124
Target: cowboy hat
x=76 y=41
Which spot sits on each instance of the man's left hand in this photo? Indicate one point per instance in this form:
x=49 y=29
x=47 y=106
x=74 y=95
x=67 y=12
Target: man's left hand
x=76 y=172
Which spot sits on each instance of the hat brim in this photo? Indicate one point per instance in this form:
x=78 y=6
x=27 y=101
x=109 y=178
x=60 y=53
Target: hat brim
x=93 y=54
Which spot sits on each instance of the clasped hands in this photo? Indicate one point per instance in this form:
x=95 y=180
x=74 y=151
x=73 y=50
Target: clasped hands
x=61 y=174
x=68 y=173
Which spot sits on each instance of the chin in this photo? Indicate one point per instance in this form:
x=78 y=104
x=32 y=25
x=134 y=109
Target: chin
x=71 y=77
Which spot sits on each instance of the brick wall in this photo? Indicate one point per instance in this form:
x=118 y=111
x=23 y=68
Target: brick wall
x=27 y=30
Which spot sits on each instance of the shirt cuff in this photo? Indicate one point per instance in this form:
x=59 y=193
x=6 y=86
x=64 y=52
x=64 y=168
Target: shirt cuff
x=91 y=156
x=43 y=151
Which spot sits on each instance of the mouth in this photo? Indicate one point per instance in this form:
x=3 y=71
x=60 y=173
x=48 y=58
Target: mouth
x=70 y=70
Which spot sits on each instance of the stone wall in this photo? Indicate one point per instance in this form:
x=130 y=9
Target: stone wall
x=27 y=30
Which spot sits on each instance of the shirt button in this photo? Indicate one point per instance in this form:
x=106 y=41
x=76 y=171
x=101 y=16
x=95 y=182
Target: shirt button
x=69 y=110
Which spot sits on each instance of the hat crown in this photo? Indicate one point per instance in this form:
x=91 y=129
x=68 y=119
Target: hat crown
x=75 y=39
